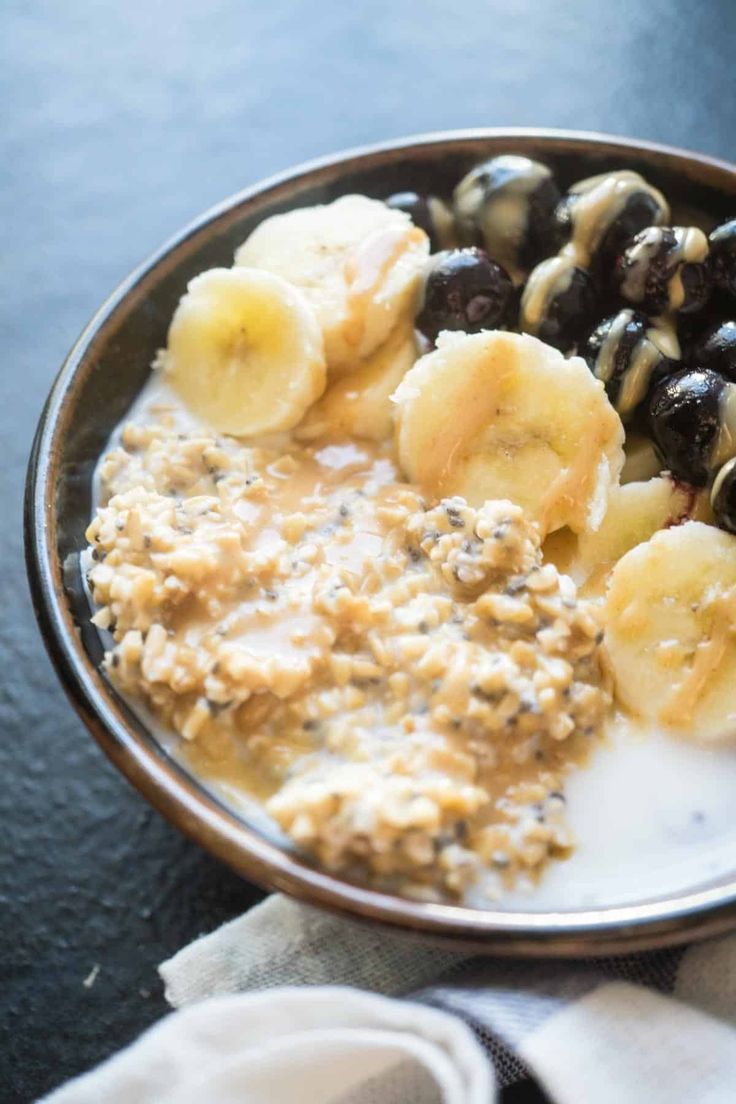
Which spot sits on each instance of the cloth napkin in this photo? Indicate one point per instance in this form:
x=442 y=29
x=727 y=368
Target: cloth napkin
x=436 y=1027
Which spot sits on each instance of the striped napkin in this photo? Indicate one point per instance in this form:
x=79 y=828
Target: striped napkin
x=288 y=1004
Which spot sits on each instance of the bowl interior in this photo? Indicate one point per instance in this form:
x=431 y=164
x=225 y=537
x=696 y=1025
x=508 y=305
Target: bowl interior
x=103 y=376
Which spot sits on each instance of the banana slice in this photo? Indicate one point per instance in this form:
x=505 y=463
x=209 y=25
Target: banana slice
x=358 y=262
x=245 y=352
x=359 y=405
x=502 y=415
x=641 y=460
x=635 y=512
x=671 y=630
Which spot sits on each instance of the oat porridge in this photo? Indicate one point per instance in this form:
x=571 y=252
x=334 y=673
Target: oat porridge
x=396 y=571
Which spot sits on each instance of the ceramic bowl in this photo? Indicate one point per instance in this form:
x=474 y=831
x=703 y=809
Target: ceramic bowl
x=98 y=382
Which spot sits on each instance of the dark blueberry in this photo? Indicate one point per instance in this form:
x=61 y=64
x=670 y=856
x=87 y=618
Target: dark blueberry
x=602 y=214
x=723 y=255
x=665 y=268
x=558 y=303
x=428 y=213
x=507 y=205
x=723 y=496
x=464 y=290
x=716 y=349
x=625 y=351
x=684 y=421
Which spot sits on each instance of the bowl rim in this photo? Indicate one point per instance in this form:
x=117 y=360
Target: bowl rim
x=201 y=815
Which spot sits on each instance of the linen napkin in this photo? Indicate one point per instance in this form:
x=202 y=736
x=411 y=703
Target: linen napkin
x=658 y=1027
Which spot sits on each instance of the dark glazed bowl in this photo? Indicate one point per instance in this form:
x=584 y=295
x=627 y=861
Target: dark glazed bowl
x=103 y=374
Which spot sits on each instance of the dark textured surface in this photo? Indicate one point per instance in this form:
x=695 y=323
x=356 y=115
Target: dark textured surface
x=119 y=123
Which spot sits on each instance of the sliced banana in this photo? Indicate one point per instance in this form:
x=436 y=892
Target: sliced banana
x=502 y=415
x=671 y=630
x=359 y=405
x=245 y=352
x=358 y=262
x=641 y=460
x=635 y=512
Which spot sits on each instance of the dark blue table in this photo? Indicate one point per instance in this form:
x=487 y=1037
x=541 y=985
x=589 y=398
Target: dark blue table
x=119 y=123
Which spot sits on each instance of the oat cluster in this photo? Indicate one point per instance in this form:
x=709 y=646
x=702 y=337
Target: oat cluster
x=406 y=684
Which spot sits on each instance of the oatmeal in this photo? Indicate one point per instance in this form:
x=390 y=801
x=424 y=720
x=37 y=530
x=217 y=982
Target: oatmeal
x=403 y=683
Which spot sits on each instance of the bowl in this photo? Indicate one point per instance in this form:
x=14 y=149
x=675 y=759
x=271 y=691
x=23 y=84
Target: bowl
x=98 y=382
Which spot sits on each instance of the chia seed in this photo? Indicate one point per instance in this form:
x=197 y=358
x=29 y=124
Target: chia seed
x=515 y=585
x=216 y=708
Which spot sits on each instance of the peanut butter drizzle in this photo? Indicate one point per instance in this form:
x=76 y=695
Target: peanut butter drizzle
x=366 y=269
x=678 y=712
x=570 y=484
x=606 y=193
x=692 y=248
x=542 y=281
x=607 y=355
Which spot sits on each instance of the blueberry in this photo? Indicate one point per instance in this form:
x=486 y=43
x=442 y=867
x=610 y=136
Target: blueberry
x=685 y=421
x=626 y=352
x=664 y=268
x=723 y=496
x=464 y=290
x=716 y=349
x=557 y=303
x=428 y=213
x=601 y=214
x=507 y=206
x=723 y=255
